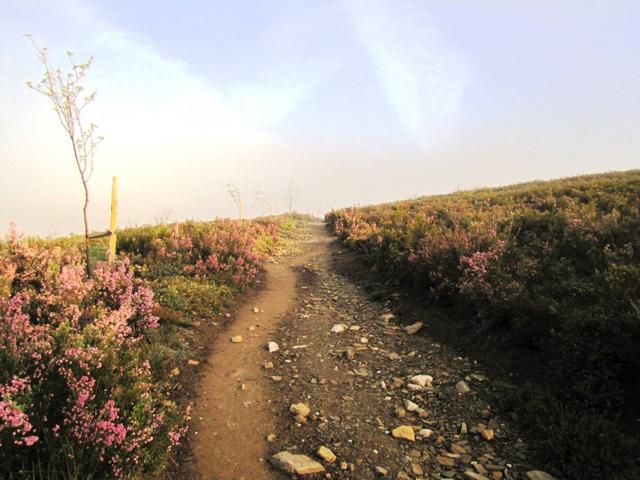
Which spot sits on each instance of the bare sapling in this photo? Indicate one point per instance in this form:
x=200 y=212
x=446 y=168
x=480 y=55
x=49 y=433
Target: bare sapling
x=289 y=196
x=69 y=100
x=264 y=203
x=234 y=193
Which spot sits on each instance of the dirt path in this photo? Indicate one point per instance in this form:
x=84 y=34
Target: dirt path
x=357 y=383
x=232 y=414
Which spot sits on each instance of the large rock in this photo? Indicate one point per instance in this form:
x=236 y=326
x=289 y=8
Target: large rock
x=404 y=432
x=298 y=464
x=539 y=475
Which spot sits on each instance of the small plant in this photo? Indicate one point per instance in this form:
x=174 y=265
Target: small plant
x=234 y=193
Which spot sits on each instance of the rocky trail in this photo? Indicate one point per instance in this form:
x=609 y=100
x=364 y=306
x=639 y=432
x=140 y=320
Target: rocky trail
x=345 y=390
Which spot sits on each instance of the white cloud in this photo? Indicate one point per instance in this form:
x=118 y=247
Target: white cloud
x=423 y=76
x=174 y=138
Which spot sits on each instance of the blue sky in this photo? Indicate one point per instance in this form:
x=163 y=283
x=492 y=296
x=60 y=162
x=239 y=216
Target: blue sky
x=351 y=101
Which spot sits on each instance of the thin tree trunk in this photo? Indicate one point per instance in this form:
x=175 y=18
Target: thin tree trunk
x=85 y=215
x=86 y=227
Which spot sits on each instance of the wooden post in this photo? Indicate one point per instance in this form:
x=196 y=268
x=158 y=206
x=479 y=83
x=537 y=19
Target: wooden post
x=114 y=220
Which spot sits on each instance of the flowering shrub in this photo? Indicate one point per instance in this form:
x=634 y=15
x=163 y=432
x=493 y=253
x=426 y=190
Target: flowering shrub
x=554 y=250
x=554 y=265
x=76 y=396
x=83 y=361
x=544 y=258
x=223 y=251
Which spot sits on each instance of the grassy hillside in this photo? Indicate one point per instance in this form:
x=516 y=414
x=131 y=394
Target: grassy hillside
x=554 y=266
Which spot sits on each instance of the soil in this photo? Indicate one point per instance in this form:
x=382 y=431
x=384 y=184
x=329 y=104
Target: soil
x=356 y=384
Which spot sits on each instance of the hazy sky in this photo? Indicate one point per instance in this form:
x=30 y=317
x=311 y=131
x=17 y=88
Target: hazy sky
x=353 y=101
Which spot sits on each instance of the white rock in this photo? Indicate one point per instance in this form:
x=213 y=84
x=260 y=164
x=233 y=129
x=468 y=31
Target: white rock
x=387 y=317
x=425 y=433
x=299 y=464
x=415 y=388
x=338 y=328
x=410 y=406
x=422 y=380
x=273 y=347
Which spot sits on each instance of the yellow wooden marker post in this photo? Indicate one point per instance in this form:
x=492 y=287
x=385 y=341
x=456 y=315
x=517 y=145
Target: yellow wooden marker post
x=114 y=220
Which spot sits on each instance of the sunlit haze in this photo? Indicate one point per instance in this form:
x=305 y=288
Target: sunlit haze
x=349 y=101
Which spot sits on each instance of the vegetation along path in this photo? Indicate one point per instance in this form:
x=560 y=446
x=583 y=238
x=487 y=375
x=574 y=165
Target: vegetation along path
x=380 y=396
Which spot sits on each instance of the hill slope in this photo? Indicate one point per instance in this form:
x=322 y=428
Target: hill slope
x=555 y=267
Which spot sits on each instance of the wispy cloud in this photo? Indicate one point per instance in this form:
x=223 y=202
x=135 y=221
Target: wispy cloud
x=163 y=122
x=424 y=78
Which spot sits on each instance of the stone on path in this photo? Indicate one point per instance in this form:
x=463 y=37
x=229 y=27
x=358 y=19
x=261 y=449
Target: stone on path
x=237 y=339
x=471 y=475
x=273 y=347
x=463 y=387
x=487 y=433
x=404 y=432
x=386 y=317
x=256 y=310
x=338 y=328
x=298 y=464
x=411 y=406
x=414 y=328
x=383 y=472
x=539 y=475
x=422 y=380
x=445 y=461
x=301 y=411
x=326 y=454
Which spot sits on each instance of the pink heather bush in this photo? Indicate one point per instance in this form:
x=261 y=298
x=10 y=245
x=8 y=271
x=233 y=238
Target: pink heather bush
x=226 y=251
x=76 y=396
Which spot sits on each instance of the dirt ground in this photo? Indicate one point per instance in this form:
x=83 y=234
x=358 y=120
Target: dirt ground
x=358 y=383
